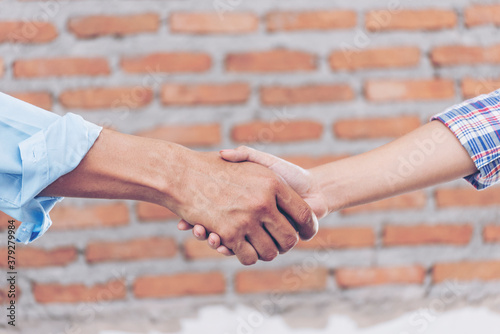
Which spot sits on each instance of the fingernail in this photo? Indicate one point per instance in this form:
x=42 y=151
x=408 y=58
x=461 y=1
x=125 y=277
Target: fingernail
x=211 y=242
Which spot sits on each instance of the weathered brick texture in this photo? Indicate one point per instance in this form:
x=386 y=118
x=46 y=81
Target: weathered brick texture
x=309 y=81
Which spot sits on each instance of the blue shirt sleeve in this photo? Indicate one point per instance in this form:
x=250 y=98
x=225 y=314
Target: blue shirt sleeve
x=37 y=147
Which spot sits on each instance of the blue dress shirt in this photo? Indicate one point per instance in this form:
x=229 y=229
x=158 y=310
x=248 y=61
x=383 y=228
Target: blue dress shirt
x=36 y=148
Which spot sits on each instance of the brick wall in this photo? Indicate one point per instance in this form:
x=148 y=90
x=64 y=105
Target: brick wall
x=309 y=81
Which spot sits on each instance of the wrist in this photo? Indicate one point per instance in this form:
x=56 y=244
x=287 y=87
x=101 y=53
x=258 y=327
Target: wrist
x=331 y=186
x=169 y=168
x=140 y=166
x=120 y=166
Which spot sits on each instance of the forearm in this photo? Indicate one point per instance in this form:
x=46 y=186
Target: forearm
x=120 y=166
x=425 y=157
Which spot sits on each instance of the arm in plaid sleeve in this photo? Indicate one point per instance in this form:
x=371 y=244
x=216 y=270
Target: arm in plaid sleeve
x=424 y=157
x=476 y=124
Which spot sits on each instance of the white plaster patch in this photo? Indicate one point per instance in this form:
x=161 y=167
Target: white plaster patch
x=244 y=320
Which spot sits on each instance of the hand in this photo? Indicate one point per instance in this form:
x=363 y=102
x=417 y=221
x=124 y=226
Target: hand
x=299 y=179
x=239 y=202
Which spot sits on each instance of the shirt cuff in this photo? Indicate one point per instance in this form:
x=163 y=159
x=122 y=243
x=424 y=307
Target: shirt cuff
x=46 y=156
x=476 y=124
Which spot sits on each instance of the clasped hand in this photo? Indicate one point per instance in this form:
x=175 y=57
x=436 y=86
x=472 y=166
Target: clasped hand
x=255 y=207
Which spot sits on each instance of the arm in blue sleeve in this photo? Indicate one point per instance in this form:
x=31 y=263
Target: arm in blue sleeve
x=37 y=147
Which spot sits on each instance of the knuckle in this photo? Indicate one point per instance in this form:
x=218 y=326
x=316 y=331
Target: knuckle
x=273 y=183
x=261 y=206
x=228 y=238
x=269 y=256
x=270 y=182
x=244 y=225
x=304 y=215
x=290 y=241
x=248 y=261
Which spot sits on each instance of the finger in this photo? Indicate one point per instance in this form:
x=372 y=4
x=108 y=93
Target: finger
x=244 y=153
x=199 y=232
x=298 y=211
x=214 y=240
x=283 y=233
x=245 y=253
x=225 y=251
x=292 y=174
x=263 y=244
x=184 y=225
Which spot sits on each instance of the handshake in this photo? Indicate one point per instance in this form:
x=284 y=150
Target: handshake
x=255 y=205
x=246 y=203
x=252 y=204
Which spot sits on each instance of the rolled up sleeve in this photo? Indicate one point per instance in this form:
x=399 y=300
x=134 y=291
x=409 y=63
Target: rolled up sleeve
x=38 y=148
x=476 y=124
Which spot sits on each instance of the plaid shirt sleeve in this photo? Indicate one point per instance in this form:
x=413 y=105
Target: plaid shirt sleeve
x=476 y=124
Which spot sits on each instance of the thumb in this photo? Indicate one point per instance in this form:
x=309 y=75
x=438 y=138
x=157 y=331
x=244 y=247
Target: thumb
x=237 y=155
x=295 y=176
x=244 y=153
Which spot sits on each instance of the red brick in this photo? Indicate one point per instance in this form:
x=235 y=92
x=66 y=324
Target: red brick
x=282 y=95
x=4 y=295
x=187 y=135
x=280 y=131
x=307 y=161
x=313 y=20
x=289 y=280
x=426 y=19
x=196 y=250
x=131 y=250
x=212 y=94
x=167 y=62
x=106 y=215
x=466 y=271
x=4 y=299
x=491 y=233
x=467 y=197
x=100 y=98
x=186 y=284
x=153 y=212
x=375 y=58
x=271 y=61
x=4 y=221
x=340 y=237
x=77 y=293
x=409 y=90
x=477 y=15
x=355 y=278
x=375 y=127
x=4 y=217
x=475 y=87
x=40 y=99
x=414 y=200
x=61 y=67
x=27 y=32
x=427 y=234
x=102 y=25
x=465 y=55
x=38 y=257
x=211 y=23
